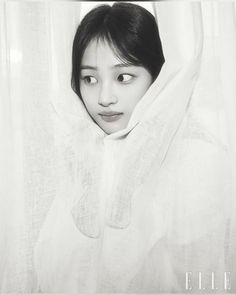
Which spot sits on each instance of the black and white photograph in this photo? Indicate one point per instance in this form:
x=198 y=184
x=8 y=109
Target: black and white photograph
x=117 y=147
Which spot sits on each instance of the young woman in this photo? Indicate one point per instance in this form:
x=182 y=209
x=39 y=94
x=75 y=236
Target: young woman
x=138 y=206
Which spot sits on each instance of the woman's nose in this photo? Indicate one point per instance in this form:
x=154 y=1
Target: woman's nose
x=107 y=96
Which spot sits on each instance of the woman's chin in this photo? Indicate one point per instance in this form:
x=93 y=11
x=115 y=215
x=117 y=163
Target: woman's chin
x=110 y=128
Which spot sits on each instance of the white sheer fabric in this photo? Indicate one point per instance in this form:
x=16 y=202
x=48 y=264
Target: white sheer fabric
x=129 y=212
x=36 y=40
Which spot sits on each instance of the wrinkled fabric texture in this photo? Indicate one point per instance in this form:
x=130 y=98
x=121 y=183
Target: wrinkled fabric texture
x=136 y=210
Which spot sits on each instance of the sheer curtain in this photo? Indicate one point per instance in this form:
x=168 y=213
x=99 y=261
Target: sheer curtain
x=35 y=99
x=36 y=39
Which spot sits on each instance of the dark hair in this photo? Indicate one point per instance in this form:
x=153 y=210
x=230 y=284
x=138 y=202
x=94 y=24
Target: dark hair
x=130 y=30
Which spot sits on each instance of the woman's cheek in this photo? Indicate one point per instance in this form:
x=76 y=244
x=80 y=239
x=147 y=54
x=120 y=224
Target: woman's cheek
x=89 y=92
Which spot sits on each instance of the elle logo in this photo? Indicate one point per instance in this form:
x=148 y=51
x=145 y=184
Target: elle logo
x=196 y=281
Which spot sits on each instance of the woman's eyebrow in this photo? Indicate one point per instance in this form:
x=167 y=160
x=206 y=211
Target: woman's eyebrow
x=122 y=65
x=87 y=67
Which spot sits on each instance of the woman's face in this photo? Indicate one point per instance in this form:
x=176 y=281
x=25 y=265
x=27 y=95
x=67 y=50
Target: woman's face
x=109 y=88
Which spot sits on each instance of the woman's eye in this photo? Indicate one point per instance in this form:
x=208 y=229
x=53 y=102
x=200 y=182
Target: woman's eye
x=124 y=78
x=89 y=80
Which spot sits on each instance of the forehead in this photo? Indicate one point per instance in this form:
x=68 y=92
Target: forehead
x=99 y=53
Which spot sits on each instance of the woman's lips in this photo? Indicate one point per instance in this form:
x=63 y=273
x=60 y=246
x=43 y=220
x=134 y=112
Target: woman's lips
x=110 y=116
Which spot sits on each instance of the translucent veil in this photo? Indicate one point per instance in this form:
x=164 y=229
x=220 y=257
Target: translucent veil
x=192 y=106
